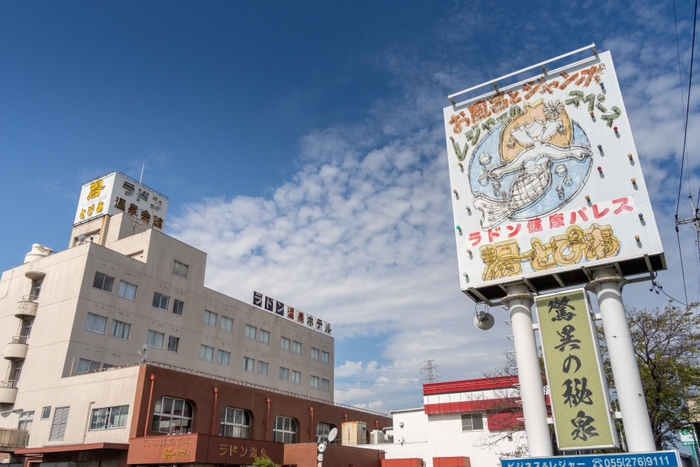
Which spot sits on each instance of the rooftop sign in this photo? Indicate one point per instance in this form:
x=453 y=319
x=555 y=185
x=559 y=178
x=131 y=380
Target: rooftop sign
x=291 y=313
x=115 y=193
x=546 y=182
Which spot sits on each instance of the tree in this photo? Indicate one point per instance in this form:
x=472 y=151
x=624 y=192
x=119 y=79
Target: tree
x=264 y=461
x=667 y=345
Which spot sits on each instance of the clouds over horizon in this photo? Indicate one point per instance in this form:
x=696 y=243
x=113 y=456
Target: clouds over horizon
x=362 y=236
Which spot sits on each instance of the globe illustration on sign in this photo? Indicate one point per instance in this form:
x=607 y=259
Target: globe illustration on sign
x=529 y=166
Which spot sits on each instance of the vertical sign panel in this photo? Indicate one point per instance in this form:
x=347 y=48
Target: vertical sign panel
x=578 y=392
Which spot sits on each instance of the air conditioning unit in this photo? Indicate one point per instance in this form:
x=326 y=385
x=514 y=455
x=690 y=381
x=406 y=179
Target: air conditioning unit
x=376 y=437
x=354 y=433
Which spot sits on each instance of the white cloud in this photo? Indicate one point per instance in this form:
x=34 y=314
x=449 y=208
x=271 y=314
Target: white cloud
x=362 y=234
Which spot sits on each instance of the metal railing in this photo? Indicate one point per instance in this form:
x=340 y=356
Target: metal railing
x=20 y=340
x=9 y=384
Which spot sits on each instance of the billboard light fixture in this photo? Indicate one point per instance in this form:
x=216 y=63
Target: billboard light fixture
x=634 y=181
x=636 y=237
x=588 y=199
x=629 y=156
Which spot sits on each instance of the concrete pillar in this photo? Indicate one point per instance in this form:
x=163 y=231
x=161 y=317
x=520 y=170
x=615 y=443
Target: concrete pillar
x=607 y=286
x=520 y=301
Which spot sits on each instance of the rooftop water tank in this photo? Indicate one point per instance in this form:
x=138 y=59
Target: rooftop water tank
x=38 y=252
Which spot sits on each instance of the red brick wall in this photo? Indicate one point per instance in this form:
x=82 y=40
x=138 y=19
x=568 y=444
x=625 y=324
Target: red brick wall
x=200 y=391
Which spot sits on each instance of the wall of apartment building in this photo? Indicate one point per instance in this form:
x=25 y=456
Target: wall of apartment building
x=81 y=395
x=59 y=339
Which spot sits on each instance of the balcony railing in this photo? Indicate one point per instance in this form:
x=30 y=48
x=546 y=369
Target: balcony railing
x=11 y=439
x=9 y=384
x=20 y=340
x=27 y=307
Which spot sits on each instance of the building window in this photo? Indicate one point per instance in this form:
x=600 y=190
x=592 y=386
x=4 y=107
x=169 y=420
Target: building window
x=58 y=426
x=178 y=307
x=223 y=357
x=210 y=318
x=285 y=430
x=181 y=269
x=262 y=367
x=226 y=324
x=36 y=289
x=325 y=357
x=325 y=385
x=46 y=412
x=314 y=354
x=161 y=301
x=472 y=422
x=264 y=336
x=173 y=343
x=251 y=332
x=109 y=417
x=296 y=377
x=120 y=330
x=284 y=343
x=25 y=420
x=95 y=323
x=155 y=339
x=314 y=382
x=322 y=431
x=235 y=423
x=206 y=353
x=284 y=373
x=85 y=365
x=127 y=290
x=172 y=415
x=103 y=282
x=296 y=347
x=249 y=364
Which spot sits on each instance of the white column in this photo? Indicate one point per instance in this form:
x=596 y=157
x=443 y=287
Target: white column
x=628 y=384
x=519 y=301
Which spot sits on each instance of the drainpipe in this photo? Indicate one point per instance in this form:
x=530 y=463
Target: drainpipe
x=150 y=400
x=311 y=436
x=267 y=422
x=87 y=421
x=213 y=414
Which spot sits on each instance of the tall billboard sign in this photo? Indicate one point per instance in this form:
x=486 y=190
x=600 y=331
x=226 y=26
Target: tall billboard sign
x=116 y=193
x=578 y=391
x=546 y=183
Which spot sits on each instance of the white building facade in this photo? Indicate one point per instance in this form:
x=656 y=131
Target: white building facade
x=462 y=423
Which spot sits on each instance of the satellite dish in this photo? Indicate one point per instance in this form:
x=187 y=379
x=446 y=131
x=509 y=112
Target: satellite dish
x=332 y=434
x=81 y=239
x=484 y=320
x=143 y=352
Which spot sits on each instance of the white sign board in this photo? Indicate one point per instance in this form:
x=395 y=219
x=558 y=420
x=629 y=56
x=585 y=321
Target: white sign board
x=546 y=181
x=115 y=193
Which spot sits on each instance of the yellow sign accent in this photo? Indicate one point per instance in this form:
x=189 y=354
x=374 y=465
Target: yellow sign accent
x=502 y=259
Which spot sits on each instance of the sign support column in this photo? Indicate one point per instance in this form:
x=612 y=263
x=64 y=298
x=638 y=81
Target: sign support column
x=519 y=301
x=607 y=286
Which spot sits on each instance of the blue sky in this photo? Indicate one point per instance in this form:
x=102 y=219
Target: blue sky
x=301 y=146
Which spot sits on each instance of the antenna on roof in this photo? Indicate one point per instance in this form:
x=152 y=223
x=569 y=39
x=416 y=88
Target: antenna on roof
x=141 y=177
x=143 y=352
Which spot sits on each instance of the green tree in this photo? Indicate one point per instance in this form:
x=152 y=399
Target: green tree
x=667 y=345
x=264 y=461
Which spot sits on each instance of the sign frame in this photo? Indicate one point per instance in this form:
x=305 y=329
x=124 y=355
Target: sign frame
x=601 y=139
